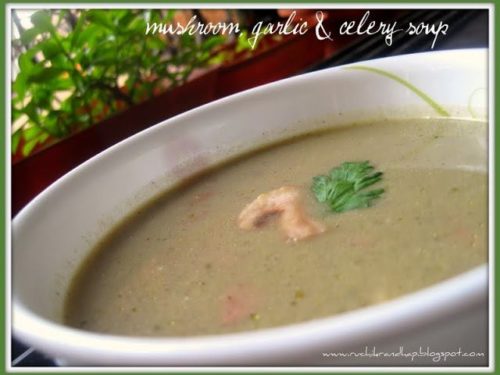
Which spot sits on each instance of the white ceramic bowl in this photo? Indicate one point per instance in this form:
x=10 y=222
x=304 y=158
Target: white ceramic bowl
x=55 y=232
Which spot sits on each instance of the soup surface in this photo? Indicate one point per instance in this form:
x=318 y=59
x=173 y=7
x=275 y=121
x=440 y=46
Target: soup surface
x=181 y=266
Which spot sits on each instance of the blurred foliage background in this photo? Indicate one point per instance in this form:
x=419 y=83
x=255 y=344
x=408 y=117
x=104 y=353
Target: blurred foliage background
x=74 y=68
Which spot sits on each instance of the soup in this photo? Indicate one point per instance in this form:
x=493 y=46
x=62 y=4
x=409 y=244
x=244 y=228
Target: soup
x=182 y=266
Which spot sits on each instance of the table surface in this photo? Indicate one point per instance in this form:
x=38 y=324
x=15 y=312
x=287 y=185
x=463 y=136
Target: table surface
x=468 y=29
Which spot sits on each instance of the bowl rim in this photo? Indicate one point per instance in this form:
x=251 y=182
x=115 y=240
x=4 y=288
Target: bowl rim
x=456 y=294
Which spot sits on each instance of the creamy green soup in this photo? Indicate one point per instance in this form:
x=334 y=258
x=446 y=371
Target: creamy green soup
x=181 y=265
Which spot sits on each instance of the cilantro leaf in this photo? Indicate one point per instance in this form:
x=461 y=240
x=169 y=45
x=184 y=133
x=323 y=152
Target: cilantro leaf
x=345 y=187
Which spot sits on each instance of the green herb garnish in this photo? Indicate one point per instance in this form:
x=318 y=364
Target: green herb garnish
x=345 y=187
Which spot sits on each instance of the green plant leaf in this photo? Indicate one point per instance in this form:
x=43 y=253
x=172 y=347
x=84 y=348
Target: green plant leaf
x=43 y=137
x=61 y=61
x=124 y=19
x=44 y=74
x=242 y=43
x=78 y=81
x=50 y=48
x=15 y=114
x=31 y=111
x=31 y=133
x=104 y=56
x=85 y=61
x=66 y=106
x=89 y=34
x=19 y=86
x=84 y=118
x=51 y=124
x=42 y=97
x=213 y=42
x=99 y=17
x=75 y=34
x=25 y=61
x=219 y=58
x=66 y=44
x=137 y=24
x=155 y=43
x=60 y=84
x=14 y=142
x=170 y=15
x=42 y=20
x=28 y=147
x=27 y=36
